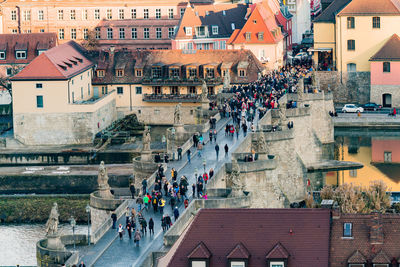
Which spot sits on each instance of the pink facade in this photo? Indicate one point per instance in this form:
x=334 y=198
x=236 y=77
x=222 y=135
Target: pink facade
x=378 y=77
x=379 y=147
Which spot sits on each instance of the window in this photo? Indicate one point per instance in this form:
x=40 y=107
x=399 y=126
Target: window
x=138 y=90
x=134 y=33
x=81 y=92
x=133 y=13
x=171 y=32
x=2 y=55
x=85 y=14
x=9 y=71
x=351 y=67
x=41 y=30
x=27 y=15
x=97 y=33
x=145 y=13
x=121 y=33
x=39 y=85
x=351 y=45
x=192 y=90
x=210 y=73
x=13 y=14
x=347 y=230
x=350 y=23
x=188 y=30
x=73 y=34
x=201 y=31
x=174 y=90
x=120 y=73
x=88 y=89
x=158 y=13
x=387 y=156
x=109 y=13
x=72 y=14
x=85 y=34
x=260 y=36
x=109 y=33
x=222 y=45
x=277 y=264
x=139 y=73
x=60 y=14
x=104 y=90
x=100 y=73
x=248 y=36
x=97 y=14
x=242 y=73
x=386 y=66
x=238 y=264
x=353 y=173
x=215 y=45
x=381 y=265
x=146 y=33
x=214 y=30
x=192 y=72
x=170 y=13
x=121 y=14
x=356 y=265
x=20 y=54
x=233 y=26
x=199 y=263
x=40 y=15
x=14 y=31
x=158 y=33
x=174 y=72
x=39 y=101
x=376 y=22
x=61 y=34
x=156 y=72
x=120 y=90
x=182 y=11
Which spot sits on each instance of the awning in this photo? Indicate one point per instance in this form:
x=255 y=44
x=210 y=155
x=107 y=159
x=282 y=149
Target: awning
x=312 y=49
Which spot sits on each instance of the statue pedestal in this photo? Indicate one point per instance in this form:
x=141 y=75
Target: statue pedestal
x=205 y=104
x=179 y=128
x=54 y=242
x=104 y=192
x=146 y=156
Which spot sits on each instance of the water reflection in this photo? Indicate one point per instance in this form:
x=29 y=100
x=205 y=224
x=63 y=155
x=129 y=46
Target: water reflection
x=378 y=151
x=18 y=242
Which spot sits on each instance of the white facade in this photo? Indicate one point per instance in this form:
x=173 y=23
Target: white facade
x=301 y=21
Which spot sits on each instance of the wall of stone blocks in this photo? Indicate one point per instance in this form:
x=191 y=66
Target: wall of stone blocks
x=378 y=90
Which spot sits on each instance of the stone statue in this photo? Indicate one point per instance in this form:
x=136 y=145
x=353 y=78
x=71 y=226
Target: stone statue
x=102 y=180
x=300 y=89
x=227 y=80
x=234 y=178
x=146 y=139
x=178 y=114
x=52 y=222
x=282 y=114
x=262 y=144
x=313 y=79
x=204 y=91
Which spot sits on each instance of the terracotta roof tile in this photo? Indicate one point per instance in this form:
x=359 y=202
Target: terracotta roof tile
x=278 y=252
x=390 y=51
x=239 y=252
x=259 y=230
x=371 y=7
x=357 y=257
x=200 y=252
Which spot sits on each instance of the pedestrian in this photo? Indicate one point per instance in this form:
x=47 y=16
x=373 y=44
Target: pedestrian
x=114 y=219
x=226 y=149
x=143 y=225
x=186 y=203
x=168 y=221
x=139 y=202
x=161 y=204
x=193 y=190
x=127 y=215
x=217 y=150
x=215 y=136
x=176 y=213
x=82 y=264
x=151 y=226
x=163 y=223
x=188 y=152
x=137 y=237
x=210 y=134
x=144 y=186
x=179 y=153
x=155 y=204
x=211 y=173
x=129 y=230
x=237 y=129
x=146 y=201
x=120 y=231
x=132 y=189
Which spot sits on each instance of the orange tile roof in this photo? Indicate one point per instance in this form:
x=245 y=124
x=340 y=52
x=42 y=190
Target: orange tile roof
x=371 y=7
x=390 y=51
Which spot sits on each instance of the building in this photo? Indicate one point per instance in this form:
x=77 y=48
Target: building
x=316 y=8
x=18 y=50
x=72 y=20
x=150 y=83
x=53 y=99
x=262 y=35
x=360 y=240
x=301 y=11
x=385 y=69
x=205 y=27
x=253 y=237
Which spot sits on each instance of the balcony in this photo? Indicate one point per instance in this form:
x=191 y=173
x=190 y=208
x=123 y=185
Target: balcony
x=169 y=98
x=171 y=81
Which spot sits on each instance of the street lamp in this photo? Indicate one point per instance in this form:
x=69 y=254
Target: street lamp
x=173 y=143
x=204 y=164
x=88 y=223
x=73 y=224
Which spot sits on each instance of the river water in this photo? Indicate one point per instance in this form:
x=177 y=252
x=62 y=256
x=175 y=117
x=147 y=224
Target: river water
x=18 y=242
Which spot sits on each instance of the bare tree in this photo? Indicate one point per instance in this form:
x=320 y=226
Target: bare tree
x=376 y=196
x=5 y=79
x=91 y=43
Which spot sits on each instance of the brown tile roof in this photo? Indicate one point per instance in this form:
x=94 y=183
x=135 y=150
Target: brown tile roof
x=239 y=252
x=278 y=252
x=381 y=257
x=200 y=252
x=329 y=14
x=371 y=7
x=59 y=63
x=390 y=51
x=32 y=42
x=359 y=247
x=259 y=230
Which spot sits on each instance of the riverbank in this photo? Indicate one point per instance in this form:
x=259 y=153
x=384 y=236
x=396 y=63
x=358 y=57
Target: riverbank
x=36 y=209
x=366 y=120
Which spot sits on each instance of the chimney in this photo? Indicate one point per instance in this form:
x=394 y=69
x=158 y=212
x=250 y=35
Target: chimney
x=376 y=229
x=247 y=13
x=112 y=49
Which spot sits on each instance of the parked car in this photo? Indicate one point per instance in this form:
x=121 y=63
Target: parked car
x=301 y=56
x=352 y=108
x=372 y=106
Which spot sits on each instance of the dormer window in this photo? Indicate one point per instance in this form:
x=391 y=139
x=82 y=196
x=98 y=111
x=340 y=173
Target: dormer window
x=248 y=36
x=210 y=72
x=188 y=30
x=20 y=54
x=139 y=73
x=214 y=30
x=39 y=52
x=242 y=73
x=201 y=31
x=2 y=54
x=156 y=72
x=100 y=73
x=233 y=26
x=174 y=73
x=192 y=72
x=261 y=36
x=120 y=73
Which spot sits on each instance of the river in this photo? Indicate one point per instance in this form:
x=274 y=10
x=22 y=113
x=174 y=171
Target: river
x=18 y=242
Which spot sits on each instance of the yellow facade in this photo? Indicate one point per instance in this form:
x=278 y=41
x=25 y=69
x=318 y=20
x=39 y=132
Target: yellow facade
x=324 y=37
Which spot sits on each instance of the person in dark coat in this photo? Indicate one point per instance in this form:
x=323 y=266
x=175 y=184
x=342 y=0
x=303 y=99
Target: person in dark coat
x=176 y=213
x=151 y=226
x=114 y=219
x=132 y=189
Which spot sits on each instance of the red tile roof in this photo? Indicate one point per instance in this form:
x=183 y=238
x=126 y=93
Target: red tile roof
x=31 y=42
x=278 y=252
x=59 y=63
x=200 y=252
x=239 y=252
x=390 y=51
x=371 y=7
x=259 y=230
